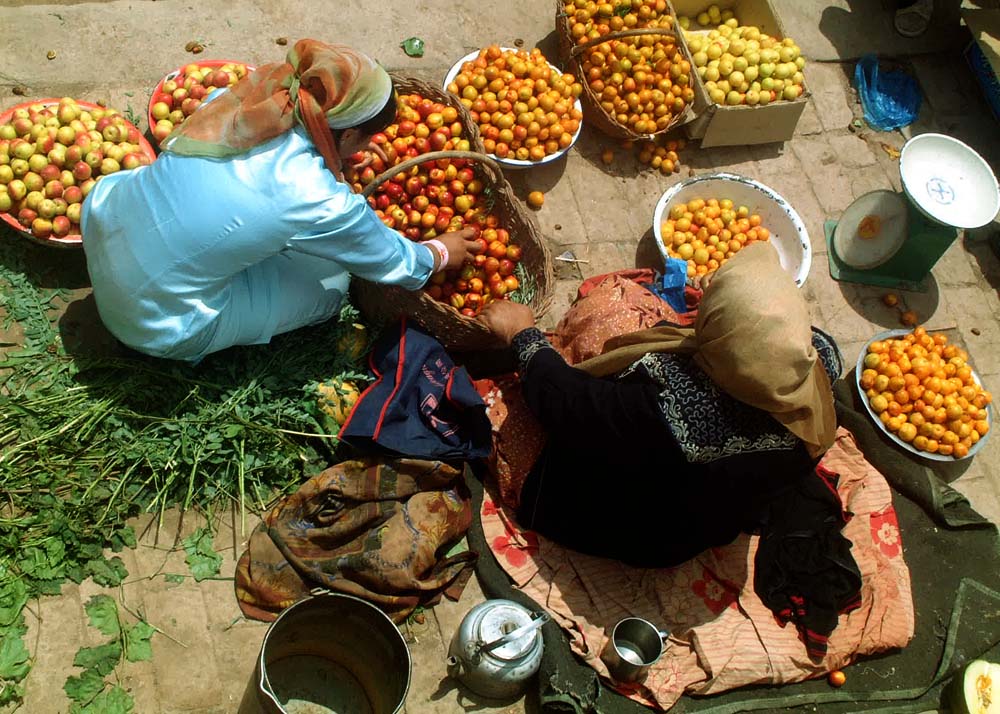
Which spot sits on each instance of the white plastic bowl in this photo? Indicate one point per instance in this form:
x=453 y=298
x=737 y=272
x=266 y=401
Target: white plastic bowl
x=788 y=233
x=948 y=181
x=516 y=163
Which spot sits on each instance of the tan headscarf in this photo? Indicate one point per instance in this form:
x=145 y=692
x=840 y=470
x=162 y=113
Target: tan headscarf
x=753 y=338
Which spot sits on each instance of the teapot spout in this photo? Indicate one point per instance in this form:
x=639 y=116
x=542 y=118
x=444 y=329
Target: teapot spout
x=454 y=667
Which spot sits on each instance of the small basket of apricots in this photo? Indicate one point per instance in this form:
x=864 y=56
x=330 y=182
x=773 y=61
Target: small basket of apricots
x=636 y=71
x=924 y=394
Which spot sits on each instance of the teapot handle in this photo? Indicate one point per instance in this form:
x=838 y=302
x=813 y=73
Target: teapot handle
x=538 y=619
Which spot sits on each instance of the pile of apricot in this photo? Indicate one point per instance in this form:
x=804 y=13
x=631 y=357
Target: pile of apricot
x=924 y=391
x=708 y=233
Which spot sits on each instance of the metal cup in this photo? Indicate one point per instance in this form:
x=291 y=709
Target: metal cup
x=633 y=647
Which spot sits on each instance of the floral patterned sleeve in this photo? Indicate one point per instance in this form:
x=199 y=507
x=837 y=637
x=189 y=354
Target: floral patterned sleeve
x=526 y=344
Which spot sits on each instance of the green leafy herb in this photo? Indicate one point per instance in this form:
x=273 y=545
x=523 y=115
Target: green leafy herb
x=137 y=645
x=15 y=662
x=102 y=659
x=490 y=192
x=111 y=701
x=88 y=442
x=173 y=578
x=130 y=114
x=107 y=572
x=201 y=556
x=14 y=656
x=527 y=286
x=89 y=691
x=85 y=687
x=103 y=614
x=413 y=47
x=13 y=598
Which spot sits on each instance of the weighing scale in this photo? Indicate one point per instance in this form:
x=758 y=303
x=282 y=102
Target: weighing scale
x=893 y=240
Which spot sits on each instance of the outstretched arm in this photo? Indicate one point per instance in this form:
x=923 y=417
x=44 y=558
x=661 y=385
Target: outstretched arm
x=570 y=403
x=347 y=231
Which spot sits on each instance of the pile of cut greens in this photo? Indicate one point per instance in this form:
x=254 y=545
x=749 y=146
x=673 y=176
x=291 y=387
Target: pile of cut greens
x=87 y=443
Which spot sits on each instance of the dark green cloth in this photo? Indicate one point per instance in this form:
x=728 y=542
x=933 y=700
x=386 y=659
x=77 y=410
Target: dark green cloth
x=954 y=562
x=907 y=476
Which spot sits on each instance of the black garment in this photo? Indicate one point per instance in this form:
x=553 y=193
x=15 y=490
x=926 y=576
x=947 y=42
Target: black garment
x=657 y=465
x=804 y=571
x=613 y=481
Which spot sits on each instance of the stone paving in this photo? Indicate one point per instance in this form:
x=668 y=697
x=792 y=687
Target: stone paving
x=601 y=214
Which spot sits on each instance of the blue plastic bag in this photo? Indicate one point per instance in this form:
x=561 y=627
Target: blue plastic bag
x=670 y=285
x=889 y=99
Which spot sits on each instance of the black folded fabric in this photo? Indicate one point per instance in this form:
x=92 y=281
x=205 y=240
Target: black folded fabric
x=803 y=570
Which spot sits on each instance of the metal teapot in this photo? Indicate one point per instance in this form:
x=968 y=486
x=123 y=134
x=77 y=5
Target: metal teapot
x=497 y=649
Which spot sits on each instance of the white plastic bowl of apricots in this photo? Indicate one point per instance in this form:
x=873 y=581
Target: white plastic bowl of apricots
x=768 y=216
x=914 y=422
x=509 y=160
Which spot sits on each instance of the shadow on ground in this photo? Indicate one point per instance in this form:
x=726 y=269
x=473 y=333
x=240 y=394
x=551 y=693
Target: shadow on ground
x=987 y=254
x=867 y=301
x=84 y=335
x=471 y=702
x=549 y=45
x=647 y=255
x=866 y=26
x=535 y=178
x=47 y=266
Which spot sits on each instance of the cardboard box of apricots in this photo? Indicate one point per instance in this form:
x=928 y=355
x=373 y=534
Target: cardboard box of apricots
x=722 y=125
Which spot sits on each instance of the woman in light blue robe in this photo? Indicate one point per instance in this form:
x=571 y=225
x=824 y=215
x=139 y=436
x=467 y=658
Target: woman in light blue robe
x=196 y=253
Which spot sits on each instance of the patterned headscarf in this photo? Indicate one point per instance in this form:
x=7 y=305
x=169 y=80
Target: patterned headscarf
x=753 y=338
x=320 y=86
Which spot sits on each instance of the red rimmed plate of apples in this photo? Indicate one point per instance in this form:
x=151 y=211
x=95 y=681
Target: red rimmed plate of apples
x=56 y=150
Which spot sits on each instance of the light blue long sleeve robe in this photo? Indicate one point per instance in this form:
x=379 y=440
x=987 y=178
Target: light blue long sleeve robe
x=191 y=255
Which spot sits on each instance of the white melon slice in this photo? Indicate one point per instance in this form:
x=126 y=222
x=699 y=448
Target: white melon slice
x=979 y=692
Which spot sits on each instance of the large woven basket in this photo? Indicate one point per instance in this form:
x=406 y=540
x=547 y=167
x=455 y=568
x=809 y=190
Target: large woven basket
x=571 y=54
x=385 y=303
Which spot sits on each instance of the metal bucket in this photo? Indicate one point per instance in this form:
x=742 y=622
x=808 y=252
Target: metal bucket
x=330 y=654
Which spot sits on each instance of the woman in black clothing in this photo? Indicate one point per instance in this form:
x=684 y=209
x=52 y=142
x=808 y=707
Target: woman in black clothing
x=675 y=440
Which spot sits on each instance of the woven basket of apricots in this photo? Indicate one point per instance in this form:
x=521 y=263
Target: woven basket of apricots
x=527 y=110
x=635 y=70
x=922 y=391
x=432 y=178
